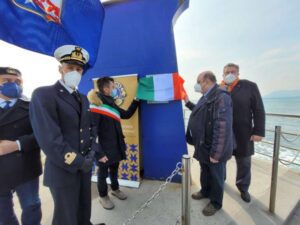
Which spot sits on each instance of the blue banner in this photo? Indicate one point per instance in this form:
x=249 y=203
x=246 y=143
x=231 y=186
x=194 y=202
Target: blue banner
x=44 y=25
x=138 y=38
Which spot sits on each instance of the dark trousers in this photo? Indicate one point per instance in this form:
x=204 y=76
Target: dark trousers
x=103 y=174
x=243 y=175
x=28 y=194
x=212 y=182
x=72 y=204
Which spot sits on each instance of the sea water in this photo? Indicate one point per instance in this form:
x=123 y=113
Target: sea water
x=289 y=143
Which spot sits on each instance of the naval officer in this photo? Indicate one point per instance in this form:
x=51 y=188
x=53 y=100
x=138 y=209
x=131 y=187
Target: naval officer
x=61 y=122
x=20 y=163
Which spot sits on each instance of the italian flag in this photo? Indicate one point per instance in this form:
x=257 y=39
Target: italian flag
x=106 y=110
x=161 y=87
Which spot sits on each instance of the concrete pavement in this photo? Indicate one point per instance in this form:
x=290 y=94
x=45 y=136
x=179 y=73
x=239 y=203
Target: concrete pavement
x=167 y=207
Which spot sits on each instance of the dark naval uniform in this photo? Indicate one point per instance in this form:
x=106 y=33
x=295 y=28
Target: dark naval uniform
x=61 y=121
x=63 y=129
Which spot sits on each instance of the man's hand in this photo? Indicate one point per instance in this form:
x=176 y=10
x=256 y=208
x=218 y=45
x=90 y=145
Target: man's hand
x=186 y=99
x=212 y=160
x=256 y=138
x=7 y=147
x=87 y=164
x=104 y=159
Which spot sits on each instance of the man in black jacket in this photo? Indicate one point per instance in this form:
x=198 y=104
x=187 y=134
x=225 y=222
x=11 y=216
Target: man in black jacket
x=248 y=123
x=20 y=163
x=210 y=131
x=107 y=116
x=61 y=122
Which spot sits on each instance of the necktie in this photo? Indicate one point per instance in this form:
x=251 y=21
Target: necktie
x=7 y=105
x=76 y=95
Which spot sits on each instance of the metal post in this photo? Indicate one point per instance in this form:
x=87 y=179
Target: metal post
x=275 y=168
x=186 y=190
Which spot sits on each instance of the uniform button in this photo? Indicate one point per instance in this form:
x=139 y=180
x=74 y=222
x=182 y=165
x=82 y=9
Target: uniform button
x=81 y=141
x=81 y=130
x=82 y=153
x=89 y=148
x=91 y=138
x=90 y=128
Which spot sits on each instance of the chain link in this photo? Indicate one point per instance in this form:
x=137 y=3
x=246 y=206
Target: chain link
x=290 y=162
x=296 y=155
x=290 y=140
x=177 y=220
x=156 y=194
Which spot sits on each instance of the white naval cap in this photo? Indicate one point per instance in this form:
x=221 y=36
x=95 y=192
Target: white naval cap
x=72 y=54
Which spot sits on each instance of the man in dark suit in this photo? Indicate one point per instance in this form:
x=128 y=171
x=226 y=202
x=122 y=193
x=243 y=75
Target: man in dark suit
x=248 y=123
x=61 y=121
x=107 y=115
x=210 y=131
x=20 y=163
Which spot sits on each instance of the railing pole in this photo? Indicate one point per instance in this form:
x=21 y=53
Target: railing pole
x=275 y=169
x=186 y=190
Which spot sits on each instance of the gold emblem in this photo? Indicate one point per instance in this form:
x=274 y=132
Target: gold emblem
x=121 y=93
x=70 y=157
x=75 y=55
x=11 y=71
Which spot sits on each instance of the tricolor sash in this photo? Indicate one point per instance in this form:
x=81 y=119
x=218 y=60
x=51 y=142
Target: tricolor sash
x=106 y=110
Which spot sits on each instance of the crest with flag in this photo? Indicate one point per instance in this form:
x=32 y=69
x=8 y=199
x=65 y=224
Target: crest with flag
x=44 y=25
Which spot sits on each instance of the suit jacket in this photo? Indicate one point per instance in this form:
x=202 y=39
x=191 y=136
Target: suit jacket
x=20 y=166
x=210 y=126
x=248 y=116
x=109 y=131
x=64 y=131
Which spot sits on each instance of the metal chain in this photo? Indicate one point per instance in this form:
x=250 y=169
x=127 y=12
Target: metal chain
x=177 y=220
x=296 y=155
x=156 y=194
x=290 y=140
x=290 y=162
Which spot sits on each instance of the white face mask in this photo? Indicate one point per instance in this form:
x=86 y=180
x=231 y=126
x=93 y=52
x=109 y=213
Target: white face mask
x=230 y=78
x=72 y=79
x=198 y=88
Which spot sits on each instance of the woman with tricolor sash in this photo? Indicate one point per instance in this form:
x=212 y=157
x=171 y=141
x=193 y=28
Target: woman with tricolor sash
x=107 y=116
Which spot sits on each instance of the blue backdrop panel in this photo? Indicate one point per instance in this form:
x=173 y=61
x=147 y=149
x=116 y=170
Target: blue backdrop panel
x=138 y=37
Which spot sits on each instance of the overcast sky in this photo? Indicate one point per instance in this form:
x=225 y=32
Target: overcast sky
x=263 y=37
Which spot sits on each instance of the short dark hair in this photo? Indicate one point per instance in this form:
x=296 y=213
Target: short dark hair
x=104 y=82
x=232 y=65
x=208 y=75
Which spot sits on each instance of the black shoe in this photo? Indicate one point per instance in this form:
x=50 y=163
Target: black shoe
x=245 y=196
x=209 y=210
x=198 y=195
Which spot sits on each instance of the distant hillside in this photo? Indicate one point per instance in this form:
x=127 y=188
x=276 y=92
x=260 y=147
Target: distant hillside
x=284 y=94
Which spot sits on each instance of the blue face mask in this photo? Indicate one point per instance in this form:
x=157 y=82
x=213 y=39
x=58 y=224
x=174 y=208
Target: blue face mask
x=11 y=90
x=114 y=93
